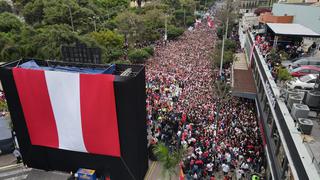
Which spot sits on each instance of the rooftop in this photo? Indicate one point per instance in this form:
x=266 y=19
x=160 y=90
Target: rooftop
x=242 y=79
x=292 y=29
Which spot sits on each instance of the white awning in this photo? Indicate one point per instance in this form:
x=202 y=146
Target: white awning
x=292 y=30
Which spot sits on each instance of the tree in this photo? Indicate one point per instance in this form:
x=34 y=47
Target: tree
x=8 y=48
x=45 y=42
x=228 y=57
x=5 y=7
x=138 y=56
x=84 y=20
x=3 y=105
x=131 y=25
x=283 y=74
x=168 y=159
x=9 y=22
x=111 y=42
x=174 y=32
x=222 y=95
x=190 y=5
x=153 y=21
x=33 y=11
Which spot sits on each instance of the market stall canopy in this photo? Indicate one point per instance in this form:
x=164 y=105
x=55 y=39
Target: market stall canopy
x=292 y=30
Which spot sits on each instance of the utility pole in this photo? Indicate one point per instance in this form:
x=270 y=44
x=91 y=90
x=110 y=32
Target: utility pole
x=184 y=17
x=222 y=49
x=165 y=28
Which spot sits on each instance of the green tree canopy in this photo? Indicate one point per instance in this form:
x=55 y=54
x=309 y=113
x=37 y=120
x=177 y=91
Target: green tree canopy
x=111 y=42
x=5 y=7
x=9 y=22
x=131 y=25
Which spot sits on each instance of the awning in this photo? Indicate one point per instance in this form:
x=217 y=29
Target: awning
x=292 y=30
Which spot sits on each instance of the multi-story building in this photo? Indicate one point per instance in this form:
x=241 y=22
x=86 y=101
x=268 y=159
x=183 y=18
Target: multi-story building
x=289 y=153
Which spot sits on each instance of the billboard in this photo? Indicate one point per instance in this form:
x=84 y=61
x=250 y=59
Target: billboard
x=69 y=116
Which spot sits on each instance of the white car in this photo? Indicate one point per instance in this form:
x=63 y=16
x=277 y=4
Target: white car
x=304 y=82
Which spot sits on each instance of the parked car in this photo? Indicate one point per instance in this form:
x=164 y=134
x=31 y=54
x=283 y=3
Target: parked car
x=314 y=61
x=306 y=82
x=304 y=70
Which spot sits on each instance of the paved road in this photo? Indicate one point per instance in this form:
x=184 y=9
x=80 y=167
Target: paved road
x=155 y=172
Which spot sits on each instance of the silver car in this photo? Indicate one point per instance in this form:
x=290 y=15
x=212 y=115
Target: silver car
x=314 y=61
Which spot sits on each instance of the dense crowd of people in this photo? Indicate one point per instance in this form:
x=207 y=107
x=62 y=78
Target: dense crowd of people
x=182 y=110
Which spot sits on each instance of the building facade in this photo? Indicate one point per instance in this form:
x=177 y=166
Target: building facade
x=288 y=156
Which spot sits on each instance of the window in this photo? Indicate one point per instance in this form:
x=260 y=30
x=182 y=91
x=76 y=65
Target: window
x=305 y=71
x=314 y=71
x=315 y=63
x=312 y=81
x=275 y=136
x=269 y=119
x=305 y=78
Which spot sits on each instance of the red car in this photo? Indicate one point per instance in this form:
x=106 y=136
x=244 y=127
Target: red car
x=304 y=70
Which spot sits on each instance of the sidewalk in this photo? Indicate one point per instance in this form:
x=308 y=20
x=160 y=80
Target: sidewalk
x=7 y=159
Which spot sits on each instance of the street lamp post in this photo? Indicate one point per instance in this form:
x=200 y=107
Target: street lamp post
x=222 y=49
x=165 y=28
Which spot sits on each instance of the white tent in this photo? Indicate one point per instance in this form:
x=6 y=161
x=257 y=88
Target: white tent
x=292 y=30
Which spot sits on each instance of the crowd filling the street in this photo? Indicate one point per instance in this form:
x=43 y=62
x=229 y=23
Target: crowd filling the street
x=221 y=136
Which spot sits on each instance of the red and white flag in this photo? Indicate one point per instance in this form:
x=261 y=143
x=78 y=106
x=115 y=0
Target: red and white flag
x=69 y=111
x=210 y=23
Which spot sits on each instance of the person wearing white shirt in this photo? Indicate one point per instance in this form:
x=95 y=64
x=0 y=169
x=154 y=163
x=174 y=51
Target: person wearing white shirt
x=225 y=168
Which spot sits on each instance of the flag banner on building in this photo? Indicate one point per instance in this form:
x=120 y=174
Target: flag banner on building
x=68 y=110
x=68 y=116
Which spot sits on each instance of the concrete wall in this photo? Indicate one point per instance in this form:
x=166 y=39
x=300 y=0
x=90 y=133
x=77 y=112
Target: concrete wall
x=308 y=16
x=269 y=18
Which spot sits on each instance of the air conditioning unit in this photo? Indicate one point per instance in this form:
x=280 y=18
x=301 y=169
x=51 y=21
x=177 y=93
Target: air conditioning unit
x=305 y=125
x=313 y=99
x=293 y=91
x=294 y=98
x=299 y=111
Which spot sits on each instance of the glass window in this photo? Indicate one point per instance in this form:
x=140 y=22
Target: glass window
x=317 y=63
x=275 y=136
x=314 y=71
x=305 y=71
x=305 y=78
x=297 y=69
x=269 y=119
x=312 y=81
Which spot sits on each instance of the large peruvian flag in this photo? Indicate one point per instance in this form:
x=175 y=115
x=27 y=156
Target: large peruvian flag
x=69 y=111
